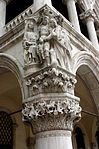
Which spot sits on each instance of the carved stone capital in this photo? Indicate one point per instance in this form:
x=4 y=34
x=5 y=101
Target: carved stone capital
x=89 y=14
x=51 y=80
x=53 y=114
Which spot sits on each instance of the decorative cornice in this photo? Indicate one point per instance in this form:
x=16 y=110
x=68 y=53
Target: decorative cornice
x=19 y=19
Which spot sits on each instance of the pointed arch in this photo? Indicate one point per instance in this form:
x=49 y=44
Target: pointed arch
x=86 y=58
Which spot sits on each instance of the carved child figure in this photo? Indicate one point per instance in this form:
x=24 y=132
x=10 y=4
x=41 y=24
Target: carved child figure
x=44 y=32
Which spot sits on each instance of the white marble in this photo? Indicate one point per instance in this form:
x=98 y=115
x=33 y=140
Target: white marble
x=2 y=16
x=72 y=13
x=92 y=32
x=57 y=139
x=40 y=3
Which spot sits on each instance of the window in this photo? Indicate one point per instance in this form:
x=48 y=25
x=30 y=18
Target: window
x=79 y=138
x=97 y=137
x=15 y=7
x=6 y=131
x=58 y=4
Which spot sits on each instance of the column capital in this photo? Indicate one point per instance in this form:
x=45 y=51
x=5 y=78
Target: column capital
x=53 y=114
x=89 y=14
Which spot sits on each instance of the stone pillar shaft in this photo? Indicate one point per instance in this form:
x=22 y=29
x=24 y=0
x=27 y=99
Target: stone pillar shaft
x=92 y=32
x=57 y=139
x=89 y=17
x=40 y=3
x=72 y=12
x=2 y=16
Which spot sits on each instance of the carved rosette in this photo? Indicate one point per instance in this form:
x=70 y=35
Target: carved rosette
x=52 y=114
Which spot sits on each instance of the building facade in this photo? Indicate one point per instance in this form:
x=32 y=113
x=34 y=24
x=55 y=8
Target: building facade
x=49 y=74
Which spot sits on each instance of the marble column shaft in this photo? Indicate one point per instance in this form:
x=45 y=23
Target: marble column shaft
x=57 y=139
x=89 y=17
x=40 y=3
x=72 y=13
x=2 y=16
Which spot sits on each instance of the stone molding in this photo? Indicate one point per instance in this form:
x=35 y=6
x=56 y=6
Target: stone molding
x=55 y=133
x=19 y=19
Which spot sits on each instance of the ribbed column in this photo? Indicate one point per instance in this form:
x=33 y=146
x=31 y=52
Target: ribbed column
x=72 y=13
x=40 y=3
x=88 y=17
x=2 y=16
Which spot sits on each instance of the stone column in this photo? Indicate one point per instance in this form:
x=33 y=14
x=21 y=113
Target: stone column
x=56 y=139
x=2 y=16
x=51 y=107
x=52 y=121
x=89 y=17
x=50 y=111
x=40 y=3
x=72 y=13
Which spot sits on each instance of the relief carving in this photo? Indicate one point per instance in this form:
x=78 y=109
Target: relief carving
x=51 y=80
x=30 y=42
x=51 y=114
x=46 y=41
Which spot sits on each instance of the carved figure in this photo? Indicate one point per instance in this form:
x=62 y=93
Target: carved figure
x=60 y=43
x=44 y=45
x=30 y=43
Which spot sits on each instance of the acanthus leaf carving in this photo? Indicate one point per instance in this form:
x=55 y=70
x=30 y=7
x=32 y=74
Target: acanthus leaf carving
x=52 y=80
x=61 y=114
